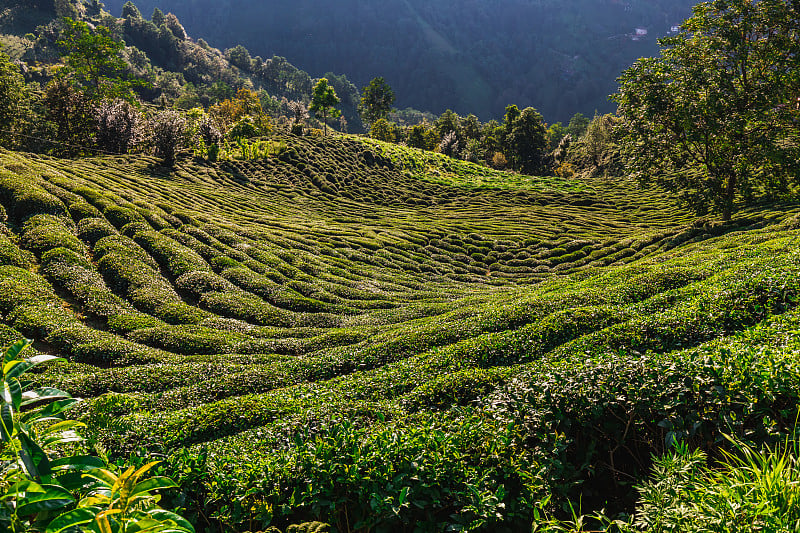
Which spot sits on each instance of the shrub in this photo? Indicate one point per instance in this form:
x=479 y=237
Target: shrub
x=23 y=198
x=117 y=126
x=93 y=229
x=167 y=131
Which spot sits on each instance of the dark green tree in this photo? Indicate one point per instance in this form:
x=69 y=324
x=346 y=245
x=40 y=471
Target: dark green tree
x=577 y=125
x=715 y=116
x=524 y=140
x=449 y=121
x=70 y=118
x=129 y=10
x=158 y=18
x=323 y=102
x=376 y=101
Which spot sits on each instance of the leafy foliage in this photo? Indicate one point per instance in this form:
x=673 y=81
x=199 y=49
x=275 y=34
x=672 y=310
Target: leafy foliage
x=376 y=101
x=713 y=117
x=323 y=101
x=37 y=489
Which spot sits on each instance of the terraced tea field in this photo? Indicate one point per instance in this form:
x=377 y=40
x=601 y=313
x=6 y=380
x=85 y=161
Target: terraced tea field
x=379 y=338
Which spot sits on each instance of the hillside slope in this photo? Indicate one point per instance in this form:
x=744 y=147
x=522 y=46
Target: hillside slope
x=560 y=57
x=366 y=334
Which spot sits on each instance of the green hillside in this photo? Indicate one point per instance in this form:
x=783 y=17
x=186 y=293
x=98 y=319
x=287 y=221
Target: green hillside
x=378 y=337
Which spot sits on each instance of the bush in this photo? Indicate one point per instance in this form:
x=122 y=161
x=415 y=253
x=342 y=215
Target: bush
x=93 y=229
x=117 y=126
x=167 y=131
x=43 y=232
x=23 y=198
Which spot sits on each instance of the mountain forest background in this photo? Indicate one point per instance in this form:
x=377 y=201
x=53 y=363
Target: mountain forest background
x=471 y=56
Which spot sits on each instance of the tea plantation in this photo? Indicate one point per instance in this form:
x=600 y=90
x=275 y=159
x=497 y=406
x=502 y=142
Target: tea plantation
x=389 y=340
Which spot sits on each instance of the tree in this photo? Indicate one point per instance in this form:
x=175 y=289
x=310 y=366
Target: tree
x=130 y=11
x=420 y=136
x=95 y=62
x=449 y=121
x=714 y=117
x=70 y=117
x=323 y=100
x=13 y=95
x=377 y=101
x=158 y=18
x=525 y=140
x=383 y=130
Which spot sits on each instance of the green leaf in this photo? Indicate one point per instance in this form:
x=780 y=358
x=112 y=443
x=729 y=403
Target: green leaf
x=45 y=394
x=77 y=462
x=39 y=359
x=6 y=422
x=15 y=368
x=62 y=437
x=164 y=515
x=72 y=519
x=153 y=483
x=106 y=477
x=14 y=350
x=50 y=410
x=18 y=490
x=54 y=497
x=33 y=457
x=75 y=481
x=15 y=389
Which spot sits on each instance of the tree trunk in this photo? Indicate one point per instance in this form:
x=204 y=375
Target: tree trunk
x=730 y=191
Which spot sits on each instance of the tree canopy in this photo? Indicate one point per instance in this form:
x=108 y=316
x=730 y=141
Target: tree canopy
x=714 y=117
x=525 y=140
x=323 y=100
x=95 y=61
x=376 y=101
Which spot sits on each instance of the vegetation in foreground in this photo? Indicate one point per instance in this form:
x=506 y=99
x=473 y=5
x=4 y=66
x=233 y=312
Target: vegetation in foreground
x=336 y=329
x=325 y=336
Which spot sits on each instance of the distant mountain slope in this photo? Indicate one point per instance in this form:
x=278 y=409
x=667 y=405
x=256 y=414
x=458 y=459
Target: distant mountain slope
x=471 y=56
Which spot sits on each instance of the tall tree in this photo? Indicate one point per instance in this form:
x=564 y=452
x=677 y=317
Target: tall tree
x=714 y=117
x=528 y=142
x=524 y=140
x=377 y=101
x=95 y=62
x=323 y=101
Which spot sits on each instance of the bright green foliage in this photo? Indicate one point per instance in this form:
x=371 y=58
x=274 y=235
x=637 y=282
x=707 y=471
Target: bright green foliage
x=38 y=484
x=323 y=102
x=94 y=61
x=118 y=503
x=383 y=130
x=420 y=136
x=376 y=101
x=714 y=118
x=754 y=490
x=352 y=331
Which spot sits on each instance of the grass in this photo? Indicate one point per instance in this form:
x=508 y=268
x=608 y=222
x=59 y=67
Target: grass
x=378 y=337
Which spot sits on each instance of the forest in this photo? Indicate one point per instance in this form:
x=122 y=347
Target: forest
x=560 y=57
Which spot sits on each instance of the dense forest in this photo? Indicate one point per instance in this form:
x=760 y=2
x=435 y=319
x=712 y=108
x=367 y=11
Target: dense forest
x=560 y=57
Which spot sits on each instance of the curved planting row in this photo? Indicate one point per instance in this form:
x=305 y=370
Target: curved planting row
x=377 y=338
